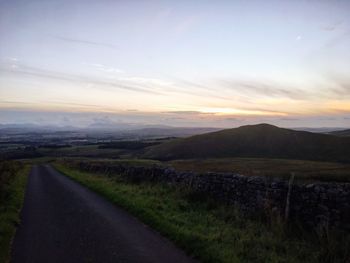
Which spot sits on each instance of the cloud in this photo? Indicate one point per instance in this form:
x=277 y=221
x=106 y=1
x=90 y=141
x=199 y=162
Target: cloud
x=289 y=119
x=232 y=119
x=146 y=81
x=326 y=118
x=12 y=62
x=332 y=26
x=109 y=82
x=13 y=59
x=100 y=83
x=73 y=104
x=85 y=42
x=10 y=59
x=104 y=68
x=15 y=102
x=183 y=112
x=175 y=118
x=197 y=88
x=339 y=86
x=264 y=88
x=187 y=24
x=338 y=39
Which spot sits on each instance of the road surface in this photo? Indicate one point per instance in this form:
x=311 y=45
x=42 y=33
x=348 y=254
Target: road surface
x=62 y=221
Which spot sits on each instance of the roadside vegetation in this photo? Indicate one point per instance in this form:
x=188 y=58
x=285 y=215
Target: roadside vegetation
x=13 y=178
x=209 y=231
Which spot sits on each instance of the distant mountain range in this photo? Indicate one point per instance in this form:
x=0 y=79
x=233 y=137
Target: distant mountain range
x=319 y=129
x=341 y=133
x=262 y=140
x=108 y=126
x=103 y=129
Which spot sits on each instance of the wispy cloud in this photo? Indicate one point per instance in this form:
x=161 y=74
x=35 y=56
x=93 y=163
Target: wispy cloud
x=85 y=42
x=76 y=104
x=332 y=26
x=264 y=89
x=104 y=68
x=197 y=88
x=338 y=86
x=187 y=24
x=96 y=82
x=43 y=104
x=13 y=59
x=338 y=39
x=289 y=119
x=184 y=112
x=241 y=97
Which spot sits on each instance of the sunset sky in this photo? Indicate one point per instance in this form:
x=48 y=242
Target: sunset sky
x=180 y=63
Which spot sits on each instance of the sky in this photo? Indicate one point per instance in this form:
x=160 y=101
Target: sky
x=179 y=63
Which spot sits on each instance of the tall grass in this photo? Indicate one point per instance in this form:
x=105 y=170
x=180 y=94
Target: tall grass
x=13 y=178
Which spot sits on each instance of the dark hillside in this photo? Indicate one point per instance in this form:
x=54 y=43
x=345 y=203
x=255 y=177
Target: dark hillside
x=262 y=140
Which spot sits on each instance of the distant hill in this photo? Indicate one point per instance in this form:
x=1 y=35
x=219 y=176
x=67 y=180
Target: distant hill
x=171 y=131
x=262 y=140
x=325 y=130
x=341 y=133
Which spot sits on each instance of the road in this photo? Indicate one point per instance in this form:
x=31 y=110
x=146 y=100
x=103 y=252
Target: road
x=62 y=221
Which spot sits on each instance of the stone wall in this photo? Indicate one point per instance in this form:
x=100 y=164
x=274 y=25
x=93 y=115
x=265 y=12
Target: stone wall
x=325 y=205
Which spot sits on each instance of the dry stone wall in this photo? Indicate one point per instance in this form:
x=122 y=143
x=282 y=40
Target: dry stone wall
x=324 y=205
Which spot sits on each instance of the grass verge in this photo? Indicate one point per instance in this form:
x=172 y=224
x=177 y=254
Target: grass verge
x=11 y=201
x=207 y=230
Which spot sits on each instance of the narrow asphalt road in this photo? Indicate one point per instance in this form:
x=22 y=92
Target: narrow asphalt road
x=62 y=221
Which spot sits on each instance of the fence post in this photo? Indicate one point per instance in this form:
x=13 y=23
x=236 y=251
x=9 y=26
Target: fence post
x=290 y=184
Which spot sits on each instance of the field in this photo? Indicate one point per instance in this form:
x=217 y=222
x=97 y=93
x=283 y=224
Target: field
x=209 y=231
x=303 y=170
x=84 y=151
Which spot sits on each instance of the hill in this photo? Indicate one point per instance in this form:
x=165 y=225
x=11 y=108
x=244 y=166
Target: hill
x=341 y=133
x=261 y=141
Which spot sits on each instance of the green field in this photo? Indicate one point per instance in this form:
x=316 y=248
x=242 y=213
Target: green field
x=82 y=151
x=209 y=231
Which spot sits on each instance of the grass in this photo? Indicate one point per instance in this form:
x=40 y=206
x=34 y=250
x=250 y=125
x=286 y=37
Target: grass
x=304 y=170
x=39 y=160
x=10 y=205
x=207 y=230
x=128 y=162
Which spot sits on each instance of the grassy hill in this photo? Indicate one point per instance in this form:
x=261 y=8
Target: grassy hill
x=261 y=141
